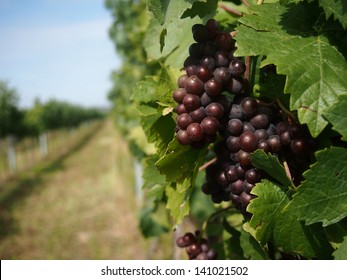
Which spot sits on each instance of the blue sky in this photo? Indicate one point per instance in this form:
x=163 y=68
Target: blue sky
x=57 y=49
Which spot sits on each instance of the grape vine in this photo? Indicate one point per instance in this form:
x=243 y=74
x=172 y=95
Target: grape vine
x=239 y=125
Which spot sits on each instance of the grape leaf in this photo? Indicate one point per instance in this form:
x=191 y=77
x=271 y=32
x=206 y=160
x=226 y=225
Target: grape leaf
x=271 y=165
x=341 y=252
x=251 y=248
x=337 y=8
x=272 y=221
x=158 y=8
x=170 y=41
x=178 y=162
x=201 y=9
x=178 y=202
x=337 y=116
x=153 y=182
x=151 y=222
x=322 y=197
x=315 y=69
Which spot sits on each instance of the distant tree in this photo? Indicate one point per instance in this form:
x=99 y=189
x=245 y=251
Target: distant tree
x=10 y=116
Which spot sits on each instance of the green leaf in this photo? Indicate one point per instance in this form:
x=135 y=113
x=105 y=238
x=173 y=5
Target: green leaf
x=153 y=182
x=271 y=165
x=179 y=162
x=337 y=8
x=251 y=248
x=172 y=44
x=341 y=252
x=152 y=222
x=201 y=9
x=178 y=202
x=322 y=197
x=158 y=8
x=337 y=116
x=314 y=68
x=272 y=221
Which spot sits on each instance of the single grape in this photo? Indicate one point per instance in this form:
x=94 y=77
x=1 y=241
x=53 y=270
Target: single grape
x=198 y=114
x=261 y=134
x=224 y=41
x=191 y=102
x=249 y=107
x=281 y=127
x=184 y=120
x=194 y=85
x=240 y=171
x=190 y=61
x=248 y=141
x=248 y=187
x=208 y=62
x=200 y=33
x=179 y=94
x=222 y=75
x=260 y=121
x=245 y=198
x=181 y=80
x=244 y=158
x=298 y=146
x=189 y=238
x=191 y=70
x=193 y=249
x=210 y=125
x=215 y=110
x=285 y=138
x=248 y=127
x=233 y=144
x=235 y=127
x=213 y=87
x=208 y=48
x=237 y=67
x=195 y=50
x=182 y=137
x=195 y=132
x=203 y=73
x=264 y=145
x=275 y=143
x=222 y=58
x=235 y=86
x=180 y=109
x=221 y=179
x=253 y=175
x=230 y=174
x=212 y=26
x=237 y=187
x=180 y=242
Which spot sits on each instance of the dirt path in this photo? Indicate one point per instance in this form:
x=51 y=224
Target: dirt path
x=79 y=207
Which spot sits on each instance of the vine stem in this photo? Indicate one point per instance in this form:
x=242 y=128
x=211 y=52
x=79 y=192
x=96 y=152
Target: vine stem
x=248 y=62
x=229 y=10
x=289 y=113
x=207 y=164
x=245 y=2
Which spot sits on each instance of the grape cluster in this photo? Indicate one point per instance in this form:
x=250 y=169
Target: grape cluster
x=197 y=248
x=210 y=70
x=205 y=108
x=251 y=126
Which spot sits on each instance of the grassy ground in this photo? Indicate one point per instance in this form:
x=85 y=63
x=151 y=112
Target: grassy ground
x=78 y=206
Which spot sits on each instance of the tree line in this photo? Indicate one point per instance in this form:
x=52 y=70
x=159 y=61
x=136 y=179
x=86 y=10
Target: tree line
x=41 y=117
